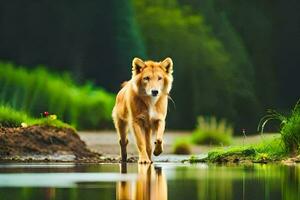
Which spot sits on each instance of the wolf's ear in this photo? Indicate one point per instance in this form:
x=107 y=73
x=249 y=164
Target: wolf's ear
x=137 y=65
x=167 y=64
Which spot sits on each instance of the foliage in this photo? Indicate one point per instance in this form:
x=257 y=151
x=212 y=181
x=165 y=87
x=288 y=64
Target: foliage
x=214 y=81
x=232 y=59
x=88 y=39
x=211 y=131
x=34 y=91
x=12 y=118
x=182 y=146
x=290 y=127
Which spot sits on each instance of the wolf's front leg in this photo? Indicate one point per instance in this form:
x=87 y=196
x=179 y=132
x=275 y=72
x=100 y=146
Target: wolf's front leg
x=148 y=139
x=140 y=140
x=159 y=129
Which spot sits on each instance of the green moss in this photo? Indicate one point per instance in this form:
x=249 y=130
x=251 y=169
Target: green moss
x=49 y=122
x=234 y=154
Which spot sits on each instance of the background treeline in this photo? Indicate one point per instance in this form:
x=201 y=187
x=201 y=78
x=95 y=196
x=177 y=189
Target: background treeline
x=233 y=59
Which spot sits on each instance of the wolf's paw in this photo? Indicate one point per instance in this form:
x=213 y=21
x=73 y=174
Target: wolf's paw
x=144 y=160
x=158 y=147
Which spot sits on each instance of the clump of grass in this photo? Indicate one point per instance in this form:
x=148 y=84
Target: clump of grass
x=211 y=131
x=37 y=90
x=288 y=144
x=290 y=128
x=12 y=118
x=266 y=151
x=182 y=146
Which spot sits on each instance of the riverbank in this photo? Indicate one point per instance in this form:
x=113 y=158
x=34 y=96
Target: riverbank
x=52 y=144
x=44 y=143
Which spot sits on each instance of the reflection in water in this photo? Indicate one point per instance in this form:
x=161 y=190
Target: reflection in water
x=150 y=185
x=149 y=182
x=240 y=182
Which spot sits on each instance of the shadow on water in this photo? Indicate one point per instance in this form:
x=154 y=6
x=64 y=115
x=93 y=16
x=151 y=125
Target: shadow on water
x=148 y=182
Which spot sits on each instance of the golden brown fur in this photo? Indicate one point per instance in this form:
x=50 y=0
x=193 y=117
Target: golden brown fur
x=141 y=106
x=150 y=184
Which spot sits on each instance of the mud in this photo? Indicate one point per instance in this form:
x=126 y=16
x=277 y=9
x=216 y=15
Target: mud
x=47 y=143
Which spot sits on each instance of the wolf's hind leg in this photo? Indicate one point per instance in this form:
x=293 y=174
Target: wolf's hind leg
x=122 y=129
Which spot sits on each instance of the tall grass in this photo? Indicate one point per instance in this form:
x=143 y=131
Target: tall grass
x=37 y=90
x=290 y=128
x=211 y=131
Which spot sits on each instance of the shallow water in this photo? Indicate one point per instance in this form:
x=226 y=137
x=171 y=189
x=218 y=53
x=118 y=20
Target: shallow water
x=158 y=181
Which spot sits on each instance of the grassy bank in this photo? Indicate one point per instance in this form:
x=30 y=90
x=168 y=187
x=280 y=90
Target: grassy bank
x=267 y=151
x=36 y=91
x=287 y=145
x=12 y=118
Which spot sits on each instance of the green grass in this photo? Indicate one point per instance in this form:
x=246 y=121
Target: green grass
x=287 y=145
x=182 y=146
x=290 y=128
x=211 y=131
x=38 y=90
x=266 y=151
x=12 y=118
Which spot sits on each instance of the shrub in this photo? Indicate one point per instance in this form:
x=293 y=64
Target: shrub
x=34 y=91
x=211 y=131
x=182 y=146
x=290 y=128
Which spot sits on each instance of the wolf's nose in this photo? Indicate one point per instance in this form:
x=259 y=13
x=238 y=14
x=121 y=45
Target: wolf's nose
x=154 y=92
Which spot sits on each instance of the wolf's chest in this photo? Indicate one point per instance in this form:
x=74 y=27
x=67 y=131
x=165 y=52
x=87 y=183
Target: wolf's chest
x=152 y=113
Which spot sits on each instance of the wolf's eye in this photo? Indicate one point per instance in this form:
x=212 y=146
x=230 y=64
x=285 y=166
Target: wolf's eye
x=146 y=78
x=159 y=78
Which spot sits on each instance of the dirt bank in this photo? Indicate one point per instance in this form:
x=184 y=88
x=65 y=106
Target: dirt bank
x=45 y=143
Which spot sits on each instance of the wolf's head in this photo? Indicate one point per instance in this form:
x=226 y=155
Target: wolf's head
x=152 y=78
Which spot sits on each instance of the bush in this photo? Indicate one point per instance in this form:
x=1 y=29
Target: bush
x=182 y=146
x=211 y=131
x=290 y=128
x=12 y=118
x=35 y=91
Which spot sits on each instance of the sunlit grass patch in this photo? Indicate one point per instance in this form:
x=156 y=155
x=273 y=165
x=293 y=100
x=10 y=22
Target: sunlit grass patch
x=265 y=151
x=12 y=118
x=211 y=131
